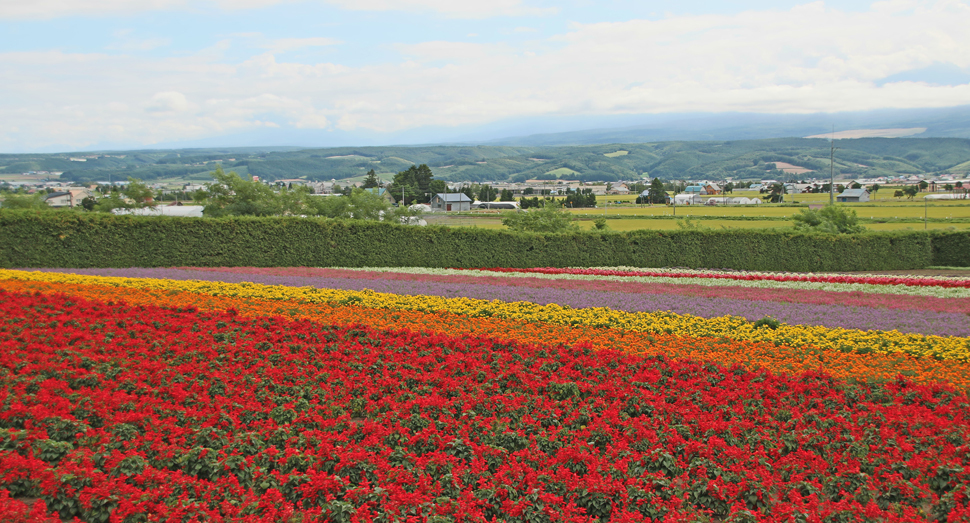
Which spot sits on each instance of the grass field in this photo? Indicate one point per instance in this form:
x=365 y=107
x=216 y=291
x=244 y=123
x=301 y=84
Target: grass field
x=887 y=214
x=874 y=212
x=27 y=178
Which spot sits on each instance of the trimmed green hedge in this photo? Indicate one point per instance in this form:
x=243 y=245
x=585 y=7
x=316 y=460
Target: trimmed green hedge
x=951 y=248
x=77 y=240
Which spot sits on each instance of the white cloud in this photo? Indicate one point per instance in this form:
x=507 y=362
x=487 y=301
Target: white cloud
x=812 y=58
x=47 y=9
x=290 y=44
x=169 y=102
x=312 y=121
x=134 y=44
x=451 y=8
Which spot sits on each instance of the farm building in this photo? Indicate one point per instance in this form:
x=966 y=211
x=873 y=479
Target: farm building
x=507 y=206
x=383 y=193
x=185 y=211
x=853 y=195
x=59 y=199
x=688 y=199
x=69 y=198
x=732 y=201
x=451 y=202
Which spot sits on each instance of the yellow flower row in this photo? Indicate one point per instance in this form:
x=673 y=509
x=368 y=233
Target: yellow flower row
x=732 y=327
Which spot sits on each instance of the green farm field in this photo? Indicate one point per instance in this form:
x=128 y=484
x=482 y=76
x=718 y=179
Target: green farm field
x=867 y=212
x=881 y=209
x=880 y=215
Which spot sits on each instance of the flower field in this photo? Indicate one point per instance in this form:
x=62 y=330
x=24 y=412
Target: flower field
x=302 y=394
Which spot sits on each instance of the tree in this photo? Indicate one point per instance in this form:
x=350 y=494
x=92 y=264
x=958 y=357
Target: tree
x=199 y=195
x=371 y=180
x=136 y=194
x=88 y=203
x=776 y=193
x=911 y=191
x=729 y=188
x=874 y=189
x=578 y=199
x=24 y=201
x=437 y=186
x=923 y=185
x=546 y=219
x=830 y=219
x=656 y=193
x=230 y=195
x=359 y=205
x=487 y=193
x=898 y=194
x=528 y=203
x=528 y=191
x=856 y=185
x=415 y=183
x=141 y=194
x=506 y=196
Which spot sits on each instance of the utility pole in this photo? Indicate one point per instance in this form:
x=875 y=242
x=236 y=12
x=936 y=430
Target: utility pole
x=832 y=170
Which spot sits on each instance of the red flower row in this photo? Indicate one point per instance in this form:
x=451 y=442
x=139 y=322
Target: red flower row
x=742 y=276
x=115 y=411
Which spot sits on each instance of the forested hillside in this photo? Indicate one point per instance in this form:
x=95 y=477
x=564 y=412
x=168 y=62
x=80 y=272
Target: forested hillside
x=745 y=159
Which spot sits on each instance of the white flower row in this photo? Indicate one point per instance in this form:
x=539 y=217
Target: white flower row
x=701 y=272
x=938 y=292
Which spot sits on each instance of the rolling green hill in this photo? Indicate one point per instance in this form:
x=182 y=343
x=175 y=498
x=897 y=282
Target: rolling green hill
x=742 y=159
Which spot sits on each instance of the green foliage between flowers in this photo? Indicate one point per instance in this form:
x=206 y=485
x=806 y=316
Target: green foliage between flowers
x=36 y=239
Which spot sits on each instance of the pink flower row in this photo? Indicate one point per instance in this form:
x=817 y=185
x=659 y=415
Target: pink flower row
x=812 y=297
x=748 y=276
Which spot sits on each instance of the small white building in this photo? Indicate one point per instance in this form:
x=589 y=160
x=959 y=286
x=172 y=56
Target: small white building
x=853 y=195
x=449 y=202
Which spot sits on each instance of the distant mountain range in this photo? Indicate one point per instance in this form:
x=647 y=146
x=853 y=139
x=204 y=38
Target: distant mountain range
x=606 y=148
x=771 y=158
x=951 y=122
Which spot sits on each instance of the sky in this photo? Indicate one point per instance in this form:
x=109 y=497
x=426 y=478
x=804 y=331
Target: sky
x=82 y=74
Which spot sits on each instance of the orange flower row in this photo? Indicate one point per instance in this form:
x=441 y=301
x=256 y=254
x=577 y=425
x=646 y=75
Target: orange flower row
x=846 y=366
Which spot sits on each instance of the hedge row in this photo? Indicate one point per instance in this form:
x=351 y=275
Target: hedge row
x=30 y=239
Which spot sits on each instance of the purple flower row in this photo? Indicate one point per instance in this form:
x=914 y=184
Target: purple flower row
x=863 y=318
